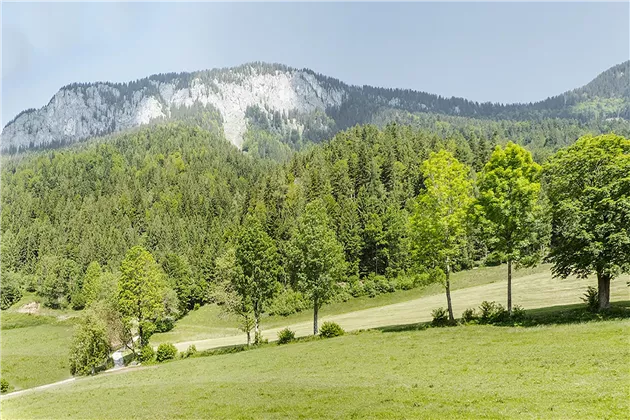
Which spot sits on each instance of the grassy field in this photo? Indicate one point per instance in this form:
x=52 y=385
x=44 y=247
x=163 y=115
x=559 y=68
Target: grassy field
x=210 y=322
x=531 y=289
x=34 y=349
x=561 y=371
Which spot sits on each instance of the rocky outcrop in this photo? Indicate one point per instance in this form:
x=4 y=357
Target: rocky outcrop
x=81 y=111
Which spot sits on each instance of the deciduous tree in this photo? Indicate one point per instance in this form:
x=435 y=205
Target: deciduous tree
x=589 y=191
x=509 y=199
x=438 y=224
x=316 y=257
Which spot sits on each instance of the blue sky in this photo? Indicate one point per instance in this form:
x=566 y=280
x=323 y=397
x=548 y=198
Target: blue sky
x=500 y=52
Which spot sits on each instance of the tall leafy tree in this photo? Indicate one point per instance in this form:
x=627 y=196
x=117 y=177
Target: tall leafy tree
x=438 y=223
x=229 y=277
x=589 y=191
x=509 y=200
x=141 y=291
x=92 y=283
x=316 y=257
x=257 y=256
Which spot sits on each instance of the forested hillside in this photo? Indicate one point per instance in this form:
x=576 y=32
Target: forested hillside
x=183 y=192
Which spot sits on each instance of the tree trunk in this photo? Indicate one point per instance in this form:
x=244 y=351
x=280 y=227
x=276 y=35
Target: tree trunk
x=509 y=291
x=451 y=318
x=603 y=289
x=256 y=331
x=249 y=339
x=315 y=309
x=140 y=334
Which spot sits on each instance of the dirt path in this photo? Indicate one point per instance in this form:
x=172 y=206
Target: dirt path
x=530 y=292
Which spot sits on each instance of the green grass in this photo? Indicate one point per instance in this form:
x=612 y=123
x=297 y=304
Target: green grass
x=210 y=322
x=34 y=349
x=559 y=371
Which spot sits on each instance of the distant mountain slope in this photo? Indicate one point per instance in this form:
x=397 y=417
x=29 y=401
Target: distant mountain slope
x=306 y=105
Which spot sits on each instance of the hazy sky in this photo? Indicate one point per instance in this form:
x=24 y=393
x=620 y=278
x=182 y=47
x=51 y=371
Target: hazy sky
x=504 y=52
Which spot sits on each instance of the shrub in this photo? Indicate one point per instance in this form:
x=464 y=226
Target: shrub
x=147 y=354
x=166 y=351
x=405 y=282
x=4 y=386
x=190 y=351
x=499 y=315
x=591 y=298
x=164 y=325
x=288 y=302
x=486 y=309
x=196 y=306
x=440 y=317
x=469 y=315
x=518 y=313
x=285 y=336
x=493 y=313
x=10 y=291
x=330 y=329
x=258 y=339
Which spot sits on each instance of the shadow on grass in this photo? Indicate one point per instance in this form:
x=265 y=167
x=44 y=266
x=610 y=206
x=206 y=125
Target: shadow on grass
x=561 y=314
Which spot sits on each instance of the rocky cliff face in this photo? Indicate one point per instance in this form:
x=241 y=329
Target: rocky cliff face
x=77 y=112
x=296 y=102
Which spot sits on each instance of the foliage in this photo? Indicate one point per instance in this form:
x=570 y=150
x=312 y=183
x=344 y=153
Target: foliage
x=492 y=312
x=439 y=317
x=10 y=291
x=257 y=257
x=92 y=283
x=288 y=302
x=316 y=257
x=589 y=190
x=147 y=354
x=285 y=336
x=591 y=299
x=230 y=276
x=190 y=352
x=330 y=329
x=4 y=386
x=438 y=224
x=509 y=195
x=165 y=351
x=469 y=315
x=141 y=291
x=90 y=345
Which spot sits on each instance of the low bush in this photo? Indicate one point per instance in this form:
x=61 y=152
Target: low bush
x=518 y=314
x=469 y=315
x=165 y=351
x=147 y=354
x=591 y=298
x=285 y=336
x=258 y=339
x=10 y=291
x=4 y=386
x=331 y=329
x=405 y=282
x=190 y=351
x=440 y=317
x=164 y=325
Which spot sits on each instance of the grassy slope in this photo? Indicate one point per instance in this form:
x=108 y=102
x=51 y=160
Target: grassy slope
x=34 y=349
x=210 y=322
x=567 y=371
x=531 y=289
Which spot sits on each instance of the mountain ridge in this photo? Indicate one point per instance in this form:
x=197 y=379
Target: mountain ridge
x=301 y=101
